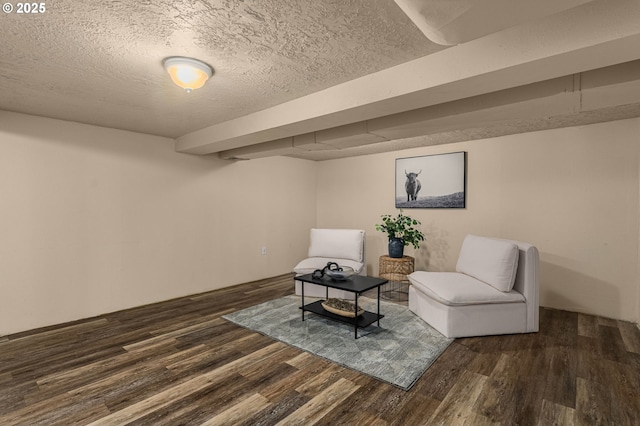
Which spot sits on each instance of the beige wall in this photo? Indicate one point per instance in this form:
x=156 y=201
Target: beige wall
x=94 y=220
x=637 y=137
x=572 y=192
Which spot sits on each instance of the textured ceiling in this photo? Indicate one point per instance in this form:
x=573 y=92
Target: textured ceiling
x=100 y=62
x=325 y=79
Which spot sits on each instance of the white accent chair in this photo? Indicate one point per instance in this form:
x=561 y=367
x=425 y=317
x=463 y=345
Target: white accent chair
x=494 y=291
x=342 y=246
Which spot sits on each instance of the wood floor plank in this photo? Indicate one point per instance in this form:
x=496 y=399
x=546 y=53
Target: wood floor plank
x=240 y=412
x=199 y=406
x=90 y=371
x=302 y=360
x=12 y=395
x=560 y=382
x=499 y=396
x=452 y=364
x=179 y=363
x=587 y=325
x=43 y=335
x=305 y=373
x=311 y=412
x=459 y=405
x=630 y=336
x=159 y=400
x=592 y=405
x=256 y=371
x=561 y=326
x=68 y=410
x=369 y=398
x=611 y=344
x=607 y=322
x=553 y=414
x=320 y=381
x=5 y=377
x=127 y=384
x=172 y=335
x=282 y=407
x=201 y=358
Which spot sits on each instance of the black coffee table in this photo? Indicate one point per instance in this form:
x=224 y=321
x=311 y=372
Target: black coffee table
x=357 y=284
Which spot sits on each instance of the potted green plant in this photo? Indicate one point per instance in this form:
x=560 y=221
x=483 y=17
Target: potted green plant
x=401 y=232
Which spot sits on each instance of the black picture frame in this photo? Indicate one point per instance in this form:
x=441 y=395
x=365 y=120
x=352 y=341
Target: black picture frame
x=441 y=179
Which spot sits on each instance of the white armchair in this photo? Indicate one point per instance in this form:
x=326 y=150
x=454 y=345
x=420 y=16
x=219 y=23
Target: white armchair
x=346 y=247
x=494 y=291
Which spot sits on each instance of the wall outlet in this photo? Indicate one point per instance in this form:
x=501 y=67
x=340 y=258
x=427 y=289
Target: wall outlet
x=264 y=251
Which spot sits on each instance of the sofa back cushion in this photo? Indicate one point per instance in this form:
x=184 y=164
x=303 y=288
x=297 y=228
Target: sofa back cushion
x=489 y=260
x=337 y=244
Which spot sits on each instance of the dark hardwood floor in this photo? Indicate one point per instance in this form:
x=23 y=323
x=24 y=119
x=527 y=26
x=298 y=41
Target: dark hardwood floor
x=178 y=362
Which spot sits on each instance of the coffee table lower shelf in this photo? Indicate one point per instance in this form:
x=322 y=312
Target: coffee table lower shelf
x=366 y=319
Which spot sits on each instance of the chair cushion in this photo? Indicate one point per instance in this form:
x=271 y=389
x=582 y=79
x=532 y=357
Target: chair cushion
x=451 y=288
x=337 y=243
x=492 y=261
x=307 y=266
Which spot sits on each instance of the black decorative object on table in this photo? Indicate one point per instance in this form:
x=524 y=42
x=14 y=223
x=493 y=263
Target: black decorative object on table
x=334 y=271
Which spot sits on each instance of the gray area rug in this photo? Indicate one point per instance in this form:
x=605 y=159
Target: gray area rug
x=398 y=352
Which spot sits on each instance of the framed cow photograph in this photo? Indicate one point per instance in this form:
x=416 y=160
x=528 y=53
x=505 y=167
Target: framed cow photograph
x=432 y=181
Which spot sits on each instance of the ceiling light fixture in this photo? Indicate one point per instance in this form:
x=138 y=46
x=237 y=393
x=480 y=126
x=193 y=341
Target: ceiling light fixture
x=188 y=73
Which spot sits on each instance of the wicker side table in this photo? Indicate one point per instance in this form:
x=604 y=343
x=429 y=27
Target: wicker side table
x=396 y=270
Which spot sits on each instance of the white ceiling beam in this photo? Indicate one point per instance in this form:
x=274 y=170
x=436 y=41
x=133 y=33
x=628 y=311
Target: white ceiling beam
x=596 y=90
x=454 y=22
x=594 y=35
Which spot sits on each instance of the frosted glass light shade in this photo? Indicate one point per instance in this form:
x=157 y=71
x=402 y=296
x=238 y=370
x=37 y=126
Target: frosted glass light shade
x=188 y=73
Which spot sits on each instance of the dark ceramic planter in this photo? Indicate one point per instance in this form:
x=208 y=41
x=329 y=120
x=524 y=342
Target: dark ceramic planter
x=396 y=247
